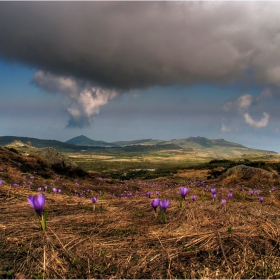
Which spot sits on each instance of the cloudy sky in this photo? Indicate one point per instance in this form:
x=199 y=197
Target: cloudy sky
x=132 y=70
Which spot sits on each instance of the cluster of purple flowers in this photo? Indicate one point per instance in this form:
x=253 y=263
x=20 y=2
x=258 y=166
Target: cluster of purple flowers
x=163 y=204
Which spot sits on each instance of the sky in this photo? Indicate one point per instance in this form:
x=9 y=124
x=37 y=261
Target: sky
x=132 y=70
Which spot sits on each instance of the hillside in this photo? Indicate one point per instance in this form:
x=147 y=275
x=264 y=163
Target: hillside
x=85 y=141
x=122 y=236
x=39 y=143
x=201 y=145
x=194 y=147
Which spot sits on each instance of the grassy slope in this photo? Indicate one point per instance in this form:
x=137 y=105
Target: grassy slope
x=123 y=239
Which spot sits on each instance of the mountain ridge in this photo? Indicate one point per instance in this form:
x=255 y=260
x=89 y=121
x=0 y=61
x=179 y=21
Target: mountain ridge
x=199 y=145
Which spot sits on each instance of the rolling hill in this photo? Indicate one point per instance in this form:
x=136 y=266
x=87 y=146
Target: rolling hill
x=85 y=141
x=199 y=146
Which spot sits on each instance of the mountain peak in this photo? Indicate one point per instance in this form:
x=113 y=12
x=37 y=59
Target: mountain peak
x=83 y=140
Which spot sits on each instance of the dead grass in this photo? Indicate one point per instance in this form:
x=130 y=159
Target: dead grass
x=192 y=174
x=125 y=240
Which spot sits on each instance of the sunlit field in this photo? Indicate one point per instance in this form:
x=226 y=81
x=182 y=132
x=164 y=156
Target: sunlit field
x=123 y=237
x=201 y=228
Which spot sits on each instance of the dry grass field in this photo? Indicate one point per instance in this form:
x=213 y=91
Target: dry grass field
x=123 y=238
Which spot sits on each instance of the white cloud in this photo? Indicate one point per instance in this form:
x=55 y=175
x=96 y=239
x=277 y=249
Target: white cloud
x=244 y=101
x=224 y=128
x=85 y=100
x=257 y=124
x=241 y=103
x=53 y=83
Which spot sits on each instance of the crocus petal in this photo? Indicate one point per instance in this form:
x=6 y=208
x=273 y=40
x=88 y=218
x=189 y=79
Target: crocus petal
x=41 y=200
x=37 y=206
x=31 y=200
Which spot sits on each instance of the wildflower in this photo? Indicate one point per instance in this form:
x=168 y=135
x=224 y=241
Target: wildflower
x=230 y=195
x=54 y=190
x=184 y=192
x=261 y=199
x=39 y=189
x=251 y=192
x=224 y=202
x=155 y=203
x=148 y=194
x=193 y=197
x=213 y=191
x=164 y=204
x=93 y=199
x=214 y=196
x=59 y=191
x=38 y=205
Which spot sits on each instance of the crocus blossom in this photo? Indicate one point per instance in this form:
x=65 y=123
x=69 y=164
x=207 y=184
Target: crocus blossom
x=193 y=197
x=261 y=199
x=93 y=199
x=213 y=191
x=184 y=192
x=155 y=203
x=164 y=204
x=37 y=203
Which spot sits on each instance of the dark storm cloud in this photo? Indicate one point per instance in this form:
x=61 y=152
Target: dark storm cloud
x=126 y=45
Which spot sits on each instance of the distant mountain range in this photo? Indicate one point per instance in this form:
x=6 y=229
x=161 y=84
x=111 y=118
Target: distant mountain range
x=200 y=145
x=190 y=142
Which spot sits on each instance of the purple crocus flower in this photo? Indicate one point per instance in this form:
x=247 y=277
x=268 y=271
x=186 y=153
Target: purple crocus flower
x=251 y=192
x=37 y=203
x=261 y=199
x=213 y=191
x=184 y=192
x=164 y=204
x=230 y=195
x=224 y=202
x=59 y=191
x=54 y=190
x=155 y=203
x=39 y=189
x=214 y=196
x=193 y=197
x=94 y=199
